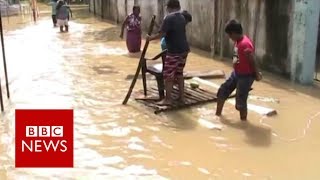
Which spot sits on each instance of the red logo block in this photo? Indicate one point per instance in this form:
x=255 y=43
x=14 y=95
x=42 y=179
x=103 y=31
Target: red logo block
x=44 y=138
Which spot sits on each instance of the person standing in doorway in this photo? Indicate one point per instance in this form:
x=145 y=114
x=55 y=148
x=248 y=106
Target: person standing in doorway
x=53 y=4
x=133 y=25
x=244 y=73
x=174 y=30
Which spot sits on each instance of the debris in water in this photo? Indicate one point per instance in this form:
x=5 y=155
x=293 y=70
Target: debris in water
x=203 y=170
x=210 y=125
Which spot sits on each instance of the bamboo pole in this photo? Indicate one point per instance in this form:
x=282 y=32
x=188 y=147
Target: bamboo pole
x=1 y=99
x=94 y=7
x=222 y=28
x=117 y=12
x=126 y=7
x=212 y=43
x=102 y=8
x=4 y=57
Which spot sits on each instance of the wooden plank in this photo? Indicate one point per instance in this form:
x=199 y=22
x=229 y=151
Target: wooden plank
x=204 y=74
x=193 y=102
x=208 y=83
x=184 y=107
x=131 y=76
x=188 y=74
x=147 y=98
x=258 y=109
x=192 y=98
x=189 y=95
x=202 y=97
x=205 y=93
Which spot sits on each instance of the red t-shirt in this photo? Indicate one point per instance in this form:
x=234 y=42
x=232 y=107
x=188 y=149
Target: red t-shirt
x=240 y=62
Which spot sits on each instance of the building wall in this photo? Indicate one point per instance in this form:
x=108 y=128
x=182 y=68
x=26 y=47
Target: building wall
x=266 y=22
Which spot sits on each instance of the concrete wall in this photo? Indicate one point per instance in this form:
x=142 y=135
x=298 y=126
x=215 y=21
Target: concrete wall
x=266 y=22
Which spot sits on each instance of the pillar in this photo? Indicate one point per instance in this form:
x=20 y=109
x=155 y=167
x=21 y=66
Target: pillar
x=304 y=40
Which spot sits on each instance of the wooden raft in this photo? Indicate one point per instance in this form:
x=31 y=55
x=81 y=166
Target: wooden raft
x=193 y=97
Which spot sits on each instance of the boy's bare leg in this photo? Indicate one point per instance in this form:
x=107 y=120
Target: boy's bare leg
x=61 y=28
x=168 y=87
x=220 y=104
x=243 y=115
x=224 y=92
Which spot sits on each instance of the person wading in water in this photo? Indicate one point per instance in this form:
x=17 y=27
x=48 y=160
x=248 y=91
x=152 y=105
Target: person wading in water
x=133 y=24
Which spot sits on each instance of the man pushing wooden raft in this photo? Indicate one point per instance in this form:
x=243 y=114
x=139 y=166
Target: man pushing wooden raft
x=173 y=30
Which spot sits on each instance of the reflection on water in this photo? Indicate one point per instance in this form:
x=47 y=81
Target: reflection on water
x=86 y=70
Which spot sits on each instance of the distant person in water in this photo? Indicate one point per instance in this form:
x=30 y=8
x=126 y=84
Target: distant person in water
x=34 y=7
x=63 y=12
x=54 y=4
x=188 y=18
x=66 y=2
x=245 y=71
x=133 y=25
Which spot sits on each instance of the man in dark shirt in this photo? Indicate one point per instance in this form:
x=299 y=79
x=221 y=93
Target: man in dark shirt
x=174 y=31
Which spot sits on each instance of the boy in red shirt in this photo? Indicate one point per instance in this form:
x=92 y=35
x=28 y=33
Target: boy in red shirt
x=244 y=73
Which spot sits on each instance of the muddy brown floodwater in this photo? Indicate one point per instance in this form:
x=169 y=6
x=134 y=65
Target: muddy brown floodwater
x=86 y=70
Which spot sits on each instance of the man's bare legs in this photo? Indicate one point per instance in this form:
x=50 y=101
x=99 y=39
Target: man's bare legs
x=169 y=88
x=173 y=70
x=168 y=85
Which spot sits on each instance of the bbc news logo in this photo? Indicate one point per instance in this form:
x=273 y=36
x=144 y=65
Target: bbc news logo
x=44 y=145
x=44 y=138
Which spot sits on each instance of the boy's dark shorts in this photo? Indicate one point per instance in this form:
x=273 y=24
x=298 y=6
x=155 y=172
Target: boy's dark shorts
x=243 y=85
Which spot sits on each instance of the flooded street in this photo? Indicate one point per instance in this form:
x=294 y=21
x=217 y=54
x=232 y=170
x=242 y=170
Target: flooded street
x=86 y=70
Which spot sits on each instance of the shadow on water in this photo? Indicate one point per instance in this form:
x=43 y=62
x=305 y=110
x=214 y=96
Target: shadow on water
x=104 y=70
x=181 y=121
x=175 y=120
x=256 y=135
